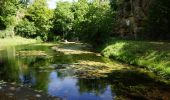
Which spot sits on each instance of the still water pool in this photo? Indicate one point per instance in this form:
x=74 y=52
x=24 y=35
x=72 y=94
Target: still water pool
x=35 y=66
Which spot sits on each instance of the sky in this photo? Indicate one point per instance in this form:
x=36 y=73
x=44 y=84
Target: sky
x=52 y=3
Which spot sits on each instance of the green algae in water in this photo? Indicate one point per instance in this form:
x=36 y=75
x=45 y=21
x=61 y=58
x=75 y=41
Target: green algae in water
x=77 y=75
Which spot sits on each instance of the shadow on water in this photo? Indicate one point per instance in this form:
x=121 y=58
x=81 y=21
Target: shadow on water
x=28 y=65
x=139 y=85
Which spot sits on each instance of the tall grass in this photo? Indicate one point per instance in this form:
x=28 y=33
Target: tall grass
x=152 y=55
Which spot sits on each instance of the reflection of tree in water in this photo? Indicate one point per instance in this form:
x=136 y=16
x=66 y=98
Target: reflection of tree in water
x=26 y=75
x=42 y=61
x=97 y=86
x=8 y=70
x=36 y=61
x=62 y=59
x=41 y=80
x=8 y=65
x=138 y=84
x=29 y=75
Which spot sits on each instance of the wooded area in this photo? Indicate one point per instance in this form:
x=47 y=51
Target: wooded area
x=89 y=21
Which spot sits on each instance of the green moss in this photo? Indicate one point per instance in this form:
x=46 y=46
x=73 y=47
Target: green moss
x=152 y=55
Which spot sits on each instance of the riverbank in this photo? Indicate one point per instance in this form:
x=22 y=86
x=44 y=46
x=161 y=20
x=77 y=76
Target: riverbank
x=154 y=56
x=16 y=41
x=12 y=91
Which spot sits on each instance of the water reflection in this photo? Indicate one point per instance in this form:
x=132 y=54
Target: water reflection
x=23 y=69
x=33 y=70
x=72 y=89
x=27 y=77
x=8 y=64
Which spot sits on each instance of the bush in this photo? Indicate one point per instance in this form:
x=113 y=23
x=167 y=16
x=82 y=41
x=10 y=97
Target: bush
x=6 y=33
x=26 y=29
x=2 y=34
x=52 y=37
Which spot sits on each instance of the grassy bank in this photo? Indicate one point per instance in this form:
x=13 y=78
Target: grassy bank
x=152 y=55
x=15 y=41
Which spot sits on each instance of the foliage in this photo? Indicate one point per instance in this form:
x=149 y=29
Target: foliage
x=158 y=20
x=63 y=19
x=7 y=27
x=80 y=9
x=8 y=9
x=140 y=53
x=26 y=29
x=6 y=33
x=98 y=23
x=41 y=15
x=114 y=4
x=91 y=21
x=2 y=24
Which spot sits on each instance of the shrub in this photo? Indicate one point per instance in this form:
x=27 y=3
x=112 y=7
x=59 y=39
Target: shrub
x=26 y=29
x=6 y=33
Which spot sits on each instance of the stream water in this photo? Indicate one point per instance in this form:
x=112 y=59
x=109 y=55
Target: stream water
x=31 y=65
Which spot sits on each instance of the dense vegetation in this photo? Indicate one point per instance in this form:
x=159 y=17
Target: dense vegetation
x=89 y=21
x=8 y=10
x=151 y=55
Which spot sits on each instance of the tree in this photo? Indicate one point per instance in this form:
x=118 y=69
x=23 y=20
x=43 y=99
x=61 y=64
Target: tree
x=26 y=29
x=8 y=10
x=63 y=19
x=41 y=15
x=79 y=9
x=90 y=21
x=98 y=23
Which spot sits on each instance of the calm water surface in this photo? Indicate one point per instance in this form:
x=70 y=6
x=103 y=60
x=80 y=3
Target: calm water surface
x=29 y=65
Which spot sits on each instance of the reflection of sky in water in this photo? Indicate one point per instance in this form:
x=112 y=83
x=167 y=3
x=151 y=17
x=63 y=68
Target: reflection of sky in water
x=57 y=83
x=27 y=78
x=66 y=88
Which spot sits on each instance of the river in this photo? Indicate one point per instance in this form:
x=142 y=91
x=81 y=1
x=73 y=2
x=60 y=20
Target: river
x=72 y=72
